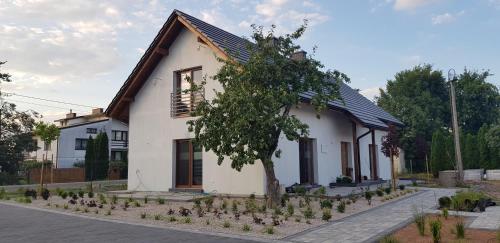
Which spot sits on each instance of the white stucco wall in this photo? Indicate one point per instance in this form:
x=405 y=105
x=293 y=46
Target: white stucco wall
x=384 y=165
x=40 y=154
x=152 y=130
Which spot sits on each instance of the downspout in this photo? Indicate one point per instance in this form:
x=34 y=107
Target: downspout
x=358 y=155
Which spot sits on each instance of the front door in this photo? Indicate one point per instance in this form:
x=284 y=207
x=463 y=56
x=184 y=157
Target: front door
x=306 y=160
x=188 y=164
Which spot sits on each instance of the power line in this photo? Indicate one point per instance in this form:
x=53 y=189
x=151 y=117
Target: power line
x=49 y=100
x=25 y=102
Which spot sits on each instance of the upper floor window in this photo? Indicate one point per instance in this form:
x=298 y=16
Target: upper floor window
x=81 y=144
x=182 y=101
x=119 y=135
x=92 y=130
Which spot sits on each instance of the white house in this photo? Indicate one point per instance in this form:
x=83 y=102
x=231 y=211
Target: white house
x=75 y=130
x=162 y=156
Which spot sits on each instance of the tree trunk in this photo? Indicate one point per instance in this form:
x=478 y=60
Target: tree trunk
x=393 y=173
x=273 y=185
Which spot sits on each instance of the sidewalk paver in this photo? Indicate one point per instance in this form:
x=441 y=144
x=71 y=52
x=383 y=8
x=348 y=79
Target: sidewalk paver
x=372 y=224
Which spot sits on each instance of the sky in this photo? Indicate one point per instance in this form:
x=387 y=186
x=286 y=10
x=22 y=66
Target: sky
x=81 y=51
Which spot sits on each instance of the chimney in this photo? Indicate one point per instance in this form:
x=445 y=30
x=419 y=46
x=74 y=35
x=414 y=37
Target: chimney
x=299 y=56
x=71 y=114
x=97 y=111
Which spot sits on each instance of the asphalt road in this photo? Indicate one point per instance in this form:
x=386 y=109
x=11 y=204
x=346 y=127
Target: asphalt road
x=28 y=225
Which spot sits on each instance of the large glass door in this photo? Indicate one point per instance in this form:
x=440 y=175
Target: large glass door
x=189 y=170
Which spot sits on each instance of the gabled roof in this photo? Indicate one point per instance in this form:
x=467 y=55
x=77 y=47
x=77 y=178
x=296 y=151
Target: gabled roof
x=227 y=45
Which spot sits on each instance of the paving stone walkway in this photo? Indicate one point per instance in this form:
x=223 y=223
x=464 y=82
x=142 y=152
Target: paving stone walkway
x=371 y=225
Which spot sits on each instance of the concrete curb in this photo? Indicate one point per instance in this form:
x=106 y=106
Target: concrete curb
x=234 y=236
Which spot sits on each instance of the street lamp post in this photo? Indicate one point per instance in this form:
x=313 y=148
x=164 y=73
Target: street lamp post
x=456 y=131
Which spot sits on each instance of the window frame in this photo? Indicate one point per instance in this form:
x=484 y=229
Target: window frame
x=79 y=145
x=122 y=133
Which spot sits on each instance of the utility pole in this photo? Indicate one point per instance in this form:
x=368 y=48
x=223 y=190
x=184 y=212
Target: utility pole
x=456 y=131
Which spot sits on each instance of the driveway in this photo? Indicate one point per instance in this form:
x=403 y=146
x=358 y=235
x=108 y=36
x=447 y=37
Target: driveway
x=19 y=224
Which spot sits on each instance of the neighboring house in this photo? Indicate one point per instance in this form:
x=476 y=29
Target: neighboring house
x=75 y=130
x=45 y=151
x=161 y=153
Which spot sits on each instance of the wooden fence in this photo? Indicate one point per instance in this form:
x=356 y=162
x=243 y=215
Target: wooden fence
x=60 y=175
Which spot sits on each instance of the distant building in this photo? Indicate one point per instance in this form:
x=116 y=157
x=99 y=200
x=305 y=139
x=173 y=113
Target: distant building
x=75 y=131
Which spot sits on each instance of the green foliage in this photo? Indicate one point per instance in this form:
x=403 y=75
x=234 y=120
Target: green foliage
x=470 y=152
x=209 y=201
x=419 y=219
x=308 y=213
x=290 y=209
x=300 y=190
x=81 y=193
x=244 y=123
x=435 y=227
x=401 y=187
x=444 y=202
x=226 y=224
x=442 y=152
x=90 y=194
x=157 y=216
x=460 y=229
x=246 y=228
x=445 y=213
x=388 y=190
x=327 y=203
x=23 y=200
x=187 y=220
x=172 y=219
x=389 y=239
x=327 y=214
x=341 y=207
x=269 y=230
x=90 y=158
x=379 y=192
x=114 y=199
x=161 y=201
x=143 y=215
x=466 y=200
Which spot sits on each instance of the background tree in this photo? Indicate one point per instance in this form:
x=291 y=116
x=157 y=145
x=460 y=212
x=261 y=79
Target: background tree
x=478 y=102
x=470 y=151
x=493 y=142
x=419 y=98
x=90 y=159
x=390 y=148
x=101 y=146
x=442 y=152
x=47 y=133
x=245 y=121
x=16 y=130
x=483 y=148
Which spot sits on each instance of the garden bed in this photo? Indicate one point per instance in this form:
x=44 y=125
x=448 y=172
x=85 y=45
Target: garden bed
x=410 y=233
x=225 y=215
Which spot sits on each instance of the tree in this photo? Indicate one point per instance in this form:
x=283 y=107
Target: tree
x=419 y=98
x=478 y=102
x=90 y=159
x=442 y=152
x=483 y=149
x=245 y=121
x=47 y=133
x=390 y=148
x=470 y=151
x=101 y=149
x=493 y=138
x=16 y=129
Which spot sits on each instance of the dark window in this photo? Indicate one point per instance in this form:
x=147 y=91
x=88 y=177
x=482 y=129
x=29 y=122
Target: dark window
x=119 y=135
x=92 y=130
x=81 y=144
x=117 y=155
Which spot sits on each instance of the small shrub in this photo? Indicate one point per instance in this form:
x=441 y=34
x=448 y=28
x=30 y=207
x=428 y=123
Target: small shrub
x=368 y=197
x=71 y=193
x=146 y=200
x=30 y=193
x=308 y=213
x=77 y=209
x=379 y=192
x=65 y=206
x=161 y=201
x=445 y=213
x=23 y=200
x=246 y=228
x=102 y=199
x=444 y=202
x=234 y=206
x=90 y=194
x=45 y=194
x=290 y=209
x=270 y=230
x=300 y=190
x=187 y=220
x=297 y=219
x=130 y=199
x=137 y=204
x=341 y=207
x=301 y=203
x=226 y=224
x=223 y=205
x=419 y=219
x=157 y=216
x=388 y=190
x=172 y=219
x=389 y=239
x=207 y=222
x=81 y=194
x=108 y=213
x=414 y=183
x=307 y=199
x=143 y=215
x=327 y=214
x=327 y=203
x=401 y=187
x=285 y=197
x=85 y=210
x=277 y=211
x=321 y=191
x=435 y=226
x=250 y=206
x=460 y=229
x=96 y=211
x=114 y=199
x=308 y=221
x=63 y=195
x=209 y=202
x=252 y=196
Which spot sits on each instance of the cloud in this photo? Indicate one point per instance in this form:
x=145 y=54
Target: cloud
x=371 y=93
x=446 y=18
x=406 y=5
